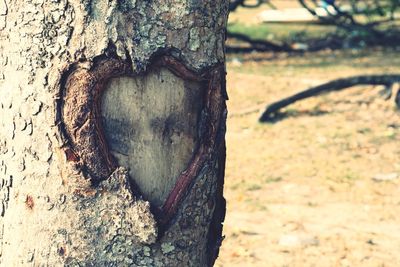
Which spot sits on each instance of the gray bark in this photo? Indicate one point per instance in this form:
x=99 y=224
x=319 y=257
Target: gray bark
x=112 y=123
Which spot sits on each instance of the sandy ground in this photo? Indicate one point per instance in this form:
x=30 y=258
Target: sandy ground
x=301 y=191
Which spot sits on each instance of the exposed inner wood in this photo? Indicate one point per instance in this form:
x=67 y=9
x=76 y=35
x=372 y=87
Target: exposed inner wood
x=150 y=123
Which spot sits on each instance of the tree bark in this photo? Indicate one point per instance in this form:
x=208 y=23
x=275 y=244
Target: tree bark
x=112 y=124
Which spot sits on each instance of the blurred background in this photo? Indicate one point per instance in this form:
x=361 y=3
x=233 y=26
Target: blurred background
x=317 y=182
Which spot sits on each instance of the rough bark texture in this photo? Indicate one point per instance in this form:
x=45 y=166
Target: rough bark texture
x=66 y=196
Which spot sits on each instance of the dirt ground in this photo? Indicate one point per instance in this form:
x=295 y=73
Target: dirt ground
x=305 y=191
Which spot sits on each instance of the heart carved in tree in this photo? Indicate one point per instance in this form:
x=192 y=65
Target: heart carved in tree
x=160 y=124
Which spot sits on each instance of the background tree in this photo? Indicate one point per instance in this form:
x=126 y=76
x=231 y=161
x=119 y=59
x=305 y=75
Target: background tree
x=338 y=23
x=342 y=23
x=371 y=21
x=104 y=106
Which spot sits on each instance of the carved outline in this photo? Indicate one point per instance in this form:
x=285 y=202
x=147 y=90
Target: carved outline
x=74 y=113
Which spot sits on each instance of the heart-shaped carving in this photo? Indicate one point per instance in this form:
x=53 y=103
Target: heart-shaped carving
x=150 y=124
x=164 y=136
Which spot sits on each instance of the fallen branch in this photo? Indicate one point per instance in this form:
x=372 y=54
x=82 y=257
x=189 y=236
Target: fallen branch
x=271 y=112
x=332 y=42
x=258 y=45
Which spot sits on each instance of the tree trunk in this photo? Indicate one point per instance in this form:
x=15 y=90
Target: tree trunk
x=112 y=123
